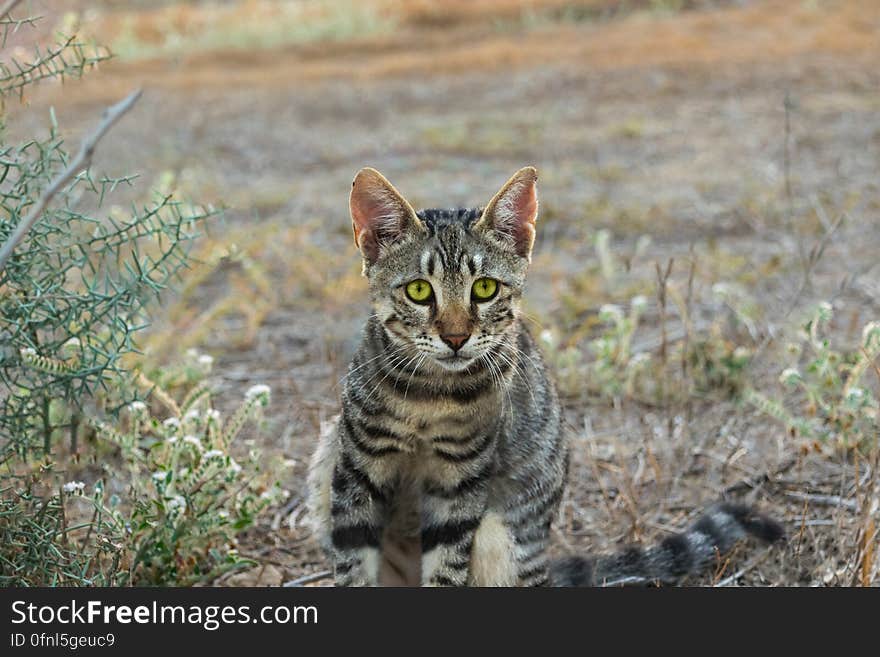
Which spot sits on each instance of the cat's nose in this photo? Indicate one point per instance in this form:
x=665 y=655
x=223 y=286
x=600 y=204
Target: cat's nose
x=455 y=340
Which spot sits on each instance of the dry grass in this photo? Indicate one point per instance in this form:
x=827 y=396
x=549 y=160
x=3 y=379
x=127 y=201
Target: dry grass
x=221 y=47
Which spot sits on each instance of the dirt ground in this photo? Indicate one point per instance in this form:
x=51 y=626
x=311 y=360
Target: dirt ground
x=732 y=133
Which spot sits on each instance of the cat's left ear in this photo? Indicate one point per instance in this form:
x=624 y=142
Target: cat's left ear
x=511 y=214
x=380 y=216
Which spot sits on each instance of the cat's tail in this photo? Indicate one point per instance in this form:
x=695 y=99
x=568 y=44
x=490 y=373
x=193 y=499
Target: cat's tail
x=675 y=557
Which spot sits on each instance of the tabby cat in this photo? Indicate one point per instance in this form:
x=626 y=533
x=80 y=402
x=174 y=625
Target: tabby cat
x=449 y=460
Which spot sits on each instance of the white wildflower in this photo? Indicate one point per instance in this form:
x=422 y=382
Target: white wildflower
x=177 y=502
x=639 y=302
x=159 y=476
x=194 y=441
x=137 y=407
x=855 y=395
x=28 y=351
x=213 y=454
x=171 y=423
x=609 y=312
x=205 y=361
x=172 y=440
x=234 y=467
x=546 y=336
x=212 y=415
x=741 y=353
x=721 y=290
x=871 y=334
x=71 y=347
x=289 y=463
x=259 y=392
x=191 y=415
x=790 y=376
x=73 y=487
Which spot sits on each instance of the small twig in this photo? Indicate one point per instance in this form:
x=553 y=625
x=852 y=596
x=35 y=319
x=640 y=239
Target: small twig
x=802 y=530
x=82 y=161
x=315 y=577
x=74 y=433
x=742 y=571
x=662 y=281
x=285 y=511
x=868 y=531
x=662 y=284
x=788 y=105
x=85 y=541
x=811 y=260
x=765 y=478
x=804 y=522
x=824 y=500
x=862 y=563
x=63 y=517
x=9 y=6
x=687 y=319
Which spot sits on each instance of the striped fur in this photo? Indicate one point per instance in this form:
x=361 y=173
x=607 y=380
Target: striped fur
x=688 y=553
x=448 y=464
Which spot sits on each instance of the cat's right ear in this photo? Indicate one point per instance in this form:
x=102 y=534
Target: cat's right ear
x=380 y=216
x=511 y=214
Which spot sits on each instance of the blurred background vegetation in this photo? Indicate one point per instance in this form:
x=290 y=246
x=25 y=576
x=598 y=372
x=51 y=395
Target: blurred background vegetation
x=705 y=281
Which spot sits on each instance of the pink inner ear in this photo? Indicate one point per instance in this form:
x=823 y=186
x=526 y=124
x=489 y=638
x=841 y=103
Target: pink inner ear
x=515 y=214
x=525 y=204
x=365 y=212
x=378 y=214
x=365 y=208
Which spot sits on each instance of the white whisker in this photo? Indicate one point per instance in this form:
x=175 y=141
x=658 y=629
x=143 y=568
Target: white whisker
x=415 y=369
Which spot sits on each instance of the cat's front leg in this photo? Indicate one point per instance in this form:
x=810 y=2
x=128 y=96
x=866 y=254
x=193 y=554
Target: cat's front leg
x=358 y=510
x=450 y=518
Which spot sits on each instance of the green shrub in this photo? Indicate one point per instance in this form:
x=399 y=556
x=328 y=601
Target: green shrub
x=188 y=497
x=832 y=399
x=165 y=498
x=624 y=357
x=182 y=499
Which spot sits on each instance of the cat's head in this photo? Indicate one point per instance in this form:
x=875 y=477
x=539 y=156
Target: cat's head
x=445 y=284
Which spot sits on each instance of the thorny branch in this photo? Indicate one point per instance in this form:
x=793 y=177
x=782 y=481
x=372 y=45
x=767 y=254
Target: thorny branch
x=82 y=161
x=9 y=6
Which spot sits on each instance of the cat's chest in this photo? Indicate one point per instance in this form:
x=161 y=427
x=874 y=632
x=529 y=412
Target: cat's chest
x=425 y=421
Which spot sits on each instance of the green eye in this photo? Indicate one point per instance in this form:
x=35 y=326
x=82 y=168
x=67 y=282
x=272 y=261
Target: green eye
x=419 y=291
x=484 y=289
